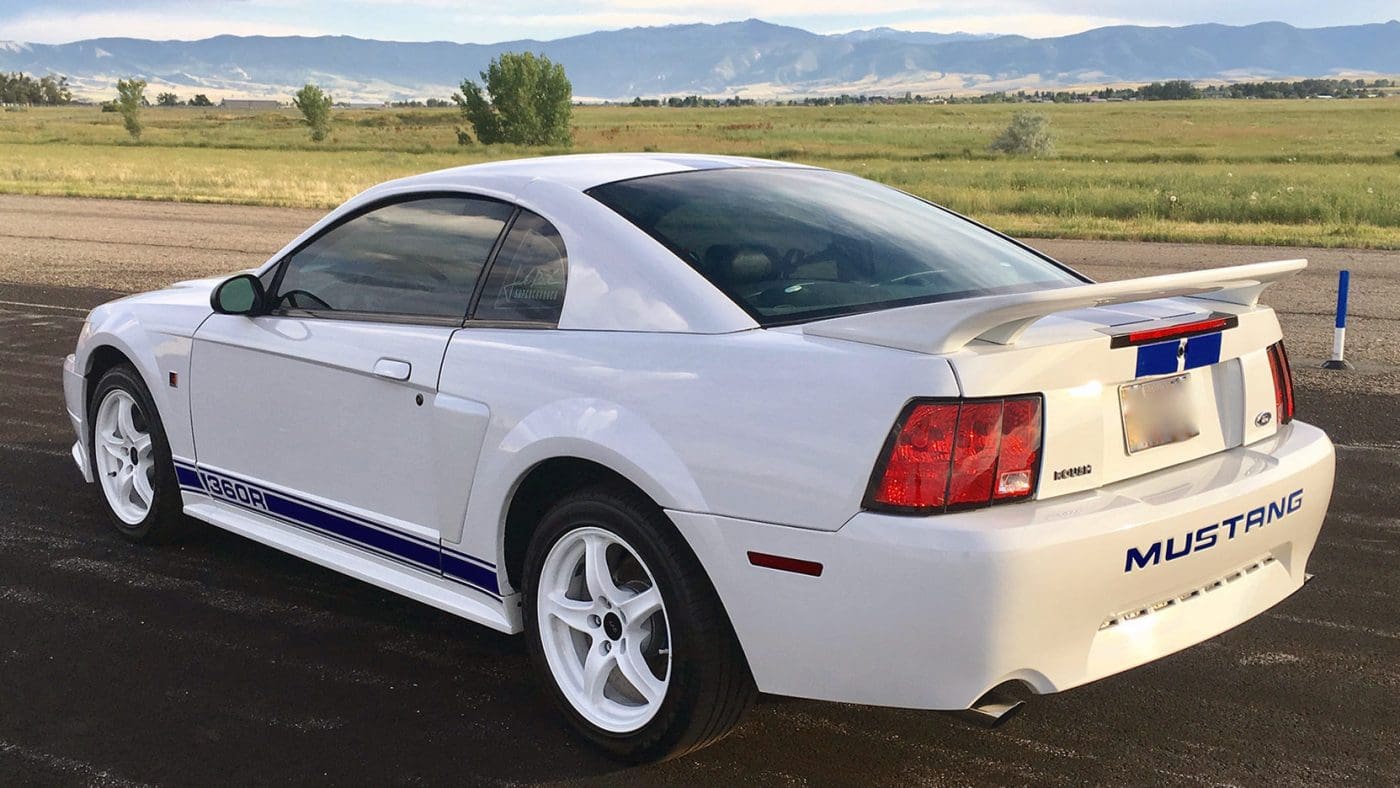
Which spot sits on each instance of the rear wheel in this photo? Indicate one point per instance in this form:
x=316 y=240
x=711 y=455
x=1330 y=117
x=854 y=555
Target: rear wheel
x=624 y=625
x=131 y=458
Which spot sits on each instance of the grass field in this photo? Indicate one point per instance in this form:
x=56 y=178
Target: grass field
x=1323 y=173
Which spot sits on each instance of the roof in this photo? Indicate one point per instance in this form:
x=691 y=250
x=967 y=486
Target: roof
x=583 y=171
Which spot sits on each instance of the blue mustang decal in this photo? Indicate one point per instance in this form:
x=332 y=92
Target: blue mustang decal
x=1208 y=536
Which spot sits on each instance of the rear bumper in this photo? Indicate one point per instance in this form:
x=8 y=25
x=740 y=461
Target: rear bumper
x=933 y=612
x=74 y=393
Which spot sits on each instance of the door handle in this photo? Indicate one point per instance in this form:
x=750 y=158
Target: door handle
x=393 y=369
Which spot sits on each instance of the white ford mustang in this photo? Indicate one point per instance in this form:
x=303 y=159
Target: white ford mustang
x=700 y=426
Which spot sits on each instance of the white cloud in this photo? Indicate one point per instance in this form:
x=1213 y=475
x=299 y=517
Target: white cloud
x=62 y=28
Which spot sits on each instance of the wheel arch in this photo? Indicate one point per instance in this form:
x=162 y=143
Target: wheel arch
x=100 y=359
x=542 y=485
x=556 y=449
x=149 y=353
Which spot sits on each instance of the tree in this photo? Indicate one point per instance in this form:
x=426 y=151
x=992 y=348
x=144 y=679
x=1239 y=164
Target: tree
x=1172 y=90
x=168 y=100
x=1028 y=133
x=131 y=94
x=17 y=88
x=530 y=102
x=315 y=106
x=201 y=100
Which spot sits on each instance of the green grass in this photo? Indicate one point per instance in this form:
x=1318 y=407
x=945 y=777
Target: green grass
x=1267 y=172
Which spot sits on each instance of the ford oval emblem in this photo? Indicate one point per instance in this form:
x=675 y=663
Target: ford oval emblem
x=1263 y=419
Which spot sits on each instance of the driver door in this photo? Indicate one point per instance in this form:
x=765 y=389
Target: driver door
x=325 y=410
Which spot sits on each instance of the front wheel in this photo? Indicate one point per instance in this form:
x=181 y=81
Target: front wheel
x=131 y=458
x=625 y=626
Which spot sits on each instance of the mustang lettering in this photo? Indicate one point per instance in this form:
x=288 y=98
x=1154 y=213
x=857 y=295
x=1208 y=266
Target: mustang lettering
x=1206 y=536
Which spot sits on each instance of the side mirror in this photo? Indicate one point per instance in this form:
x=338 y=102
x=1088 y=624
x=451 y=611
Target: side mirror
x=240 y=295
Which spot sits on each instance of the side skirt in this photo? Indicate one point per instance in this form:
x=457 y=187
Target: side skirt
x=501 y=614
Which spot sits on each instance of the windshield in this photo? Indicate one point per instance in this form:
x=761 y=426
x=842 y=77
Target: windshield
x=790 y=245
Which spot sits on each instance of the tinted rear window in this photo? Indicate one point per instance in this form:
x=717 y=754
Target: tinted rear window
x=527 y=279
x=790 y=245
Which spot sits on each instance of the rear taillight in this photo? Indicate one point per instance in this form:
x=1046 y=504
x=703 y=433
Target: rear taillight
x=1283 y=382
x=953 y=455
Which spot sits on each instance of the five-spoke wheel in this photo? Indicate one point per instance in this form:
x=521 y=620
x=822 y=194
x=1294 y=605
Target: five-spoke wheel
x=131 y=458
x=627 y=629
x=604 y=630
x=124 y=463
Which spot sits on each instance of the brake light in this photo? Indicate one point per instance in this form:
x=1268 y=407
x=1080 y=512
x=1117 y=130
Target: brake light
x=945 y=455
x=1283 y=382
x=916 y=465
x=1211 y=324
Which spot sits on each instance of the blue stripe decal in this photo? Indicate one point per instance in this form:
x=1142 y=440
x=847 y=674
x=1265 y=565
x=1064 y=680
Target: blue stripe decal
x=1158 y=359
x=345 y=528
x=473 y=574
x=187 y=477
x=250 y=484
x=1202 y=351
x=351 y=531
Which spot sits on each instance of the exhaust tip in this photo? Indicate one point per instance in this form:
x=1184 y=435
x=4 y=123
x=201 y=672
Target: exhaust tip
x=992 y=710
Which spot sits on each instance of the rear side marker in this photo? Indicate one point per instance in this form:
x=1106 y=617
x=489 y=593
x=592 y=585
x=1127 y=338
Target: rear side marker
x=785 y=564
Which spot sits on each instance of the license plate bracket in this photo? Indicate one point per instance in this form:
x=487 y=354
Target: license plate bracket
x=1157 y=412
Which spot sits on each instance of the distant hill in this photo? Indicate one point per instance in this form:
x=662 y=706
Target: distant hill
x=909 y=36
x=755 y=58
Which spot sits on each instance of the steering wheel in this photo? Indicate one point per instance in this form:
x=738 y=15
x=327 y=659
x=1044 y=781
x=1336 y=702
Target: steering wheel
x=796 y=258
x=292 y=296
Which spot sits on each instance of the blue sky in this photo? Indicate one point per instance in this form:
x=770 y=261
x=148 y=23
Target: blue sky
x=55 y=21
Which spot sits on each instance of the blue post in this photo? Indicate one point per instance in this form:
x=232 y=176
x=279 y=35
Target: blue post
x=1339 y=333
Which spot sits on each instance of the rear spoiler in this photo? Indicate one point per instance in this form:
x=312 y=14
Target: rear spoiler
x=947 y=326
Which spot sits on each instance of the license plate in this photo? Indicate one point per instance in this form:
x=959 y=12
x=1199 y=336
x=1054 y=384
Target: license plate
x=1157 y=412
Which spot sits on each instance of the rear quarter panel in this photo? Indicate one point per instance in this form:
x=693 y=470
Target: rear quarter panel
x=761 y=425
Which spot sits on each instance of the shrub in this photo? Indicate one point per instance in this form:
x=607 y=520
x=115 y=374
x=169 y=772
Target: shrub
x=315 y=106
x=1029 y=133
x=131 y=94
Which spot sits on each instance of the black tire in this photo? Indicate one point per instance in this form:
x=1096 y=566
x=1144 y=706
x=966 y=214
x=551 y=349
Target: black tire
x=165 y=520
x=710 y=685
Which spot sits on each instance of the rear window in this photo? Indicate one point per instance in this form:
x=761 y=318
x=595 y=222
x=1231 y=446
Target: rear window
x=790 y=245
x=527 y=279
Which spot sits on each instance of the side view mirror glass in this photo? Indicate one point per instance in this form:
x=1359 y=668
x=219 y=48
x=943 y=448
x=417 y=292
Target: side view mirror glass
x=240 y=295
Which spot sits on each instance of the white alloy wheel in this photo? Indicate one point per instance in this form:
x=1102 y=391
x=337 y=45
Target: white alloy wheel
x=124 y=458
x=603 y=628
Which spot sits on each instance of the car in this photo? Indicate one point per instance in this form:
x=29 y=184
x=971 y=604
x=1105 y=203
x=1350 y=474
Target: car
x=705 y=426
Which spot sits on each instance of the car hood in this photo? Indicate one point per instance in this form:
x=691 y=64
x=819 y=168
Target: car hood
x=176 y=310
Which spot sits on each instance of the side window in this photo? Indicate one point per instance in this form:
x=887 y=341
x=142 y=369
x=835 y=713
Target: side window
x=526 y=281
x=421 y=257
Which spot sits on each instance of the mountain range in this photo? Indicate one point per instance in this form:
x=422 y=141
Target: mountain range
x=753 y=58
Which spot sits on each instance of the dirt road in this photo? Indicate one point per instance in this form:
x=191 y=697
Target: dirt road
x=219 y=661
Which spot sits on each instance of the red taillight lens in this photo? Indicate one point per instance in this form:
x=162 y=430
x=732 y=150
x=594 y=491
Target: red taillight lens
x=1020 y=449
x=1283 y=382
x=975 y=453
x=960 y=454
x=916 y=468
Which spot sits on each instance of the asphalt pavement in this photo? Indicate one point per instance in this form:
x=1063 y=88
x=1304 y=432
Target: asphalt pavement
x=218 y=661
